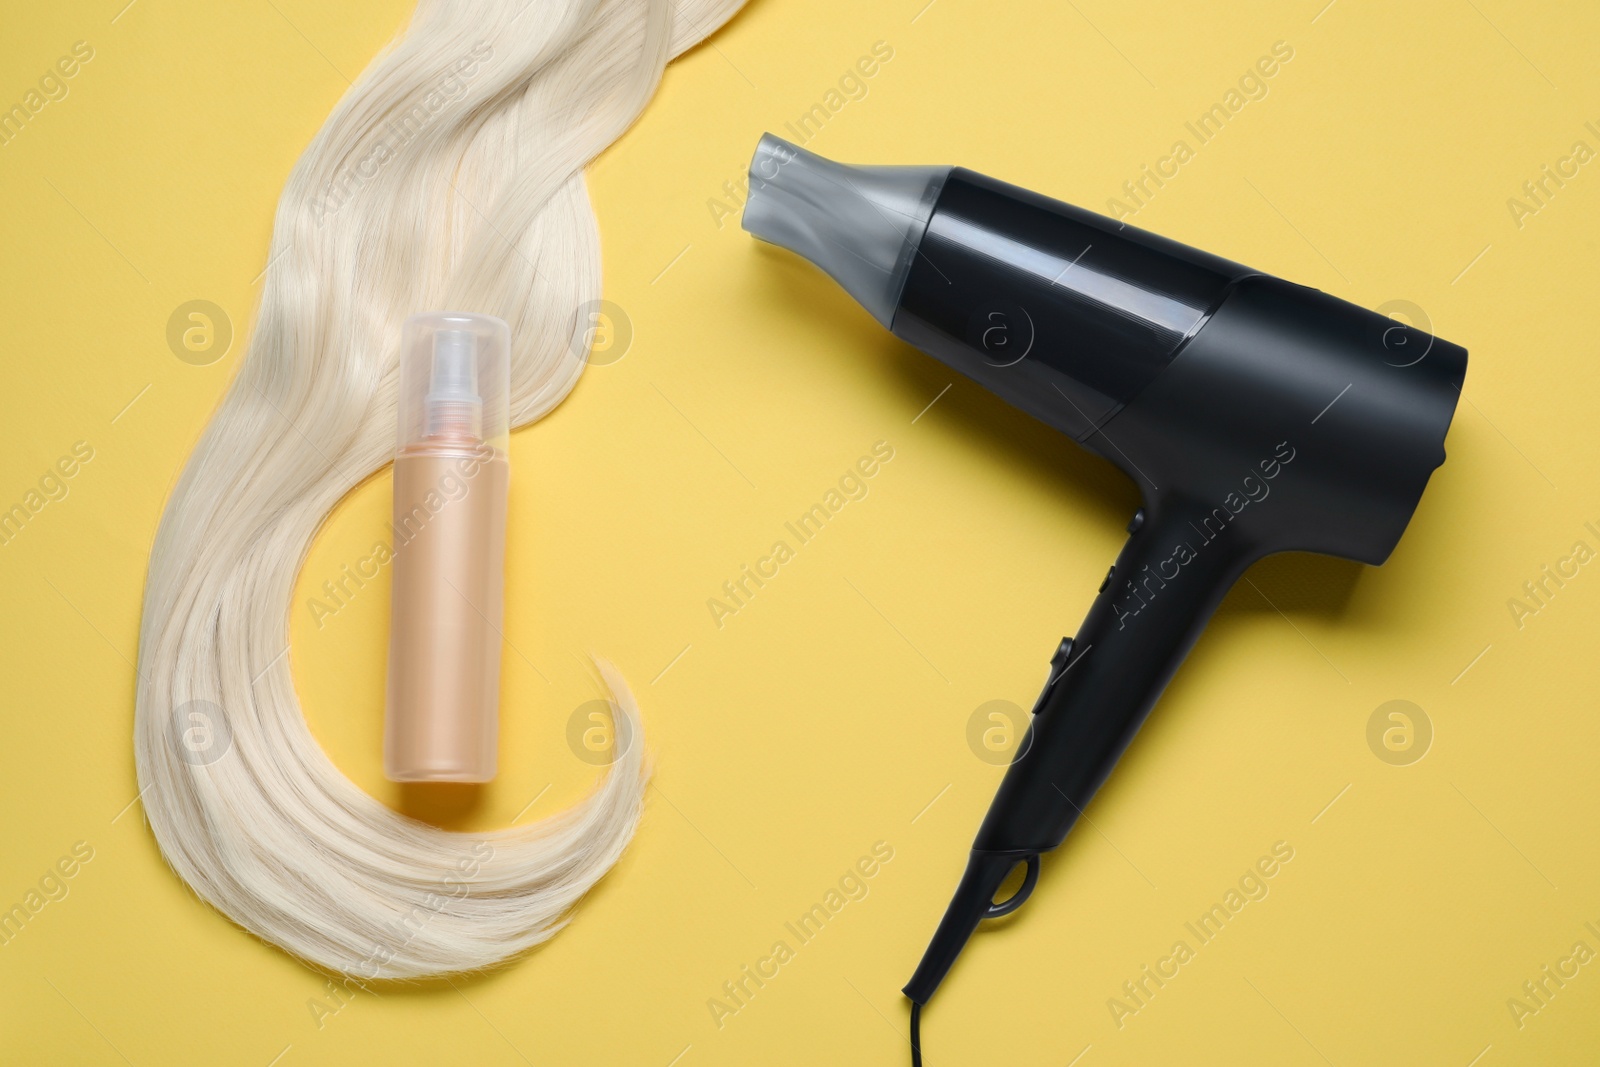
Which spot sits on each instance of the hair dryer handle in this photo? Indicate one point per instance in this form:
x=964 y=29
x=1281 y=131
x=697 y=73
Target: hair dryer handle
x=1168 y=579
x=1180 y=561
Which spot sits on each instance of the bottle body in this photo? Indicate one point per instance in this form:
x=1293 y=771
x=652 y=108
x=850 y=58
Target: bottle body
x=442 y=719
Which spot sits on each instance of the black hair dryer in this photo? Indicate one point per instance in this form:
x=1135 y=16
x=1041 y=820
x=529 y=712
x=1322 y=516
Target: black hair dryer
x=1257 y=416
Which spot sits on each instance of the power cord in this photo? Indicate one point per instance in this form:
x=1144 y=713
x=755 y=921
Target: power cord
x=916 y=1034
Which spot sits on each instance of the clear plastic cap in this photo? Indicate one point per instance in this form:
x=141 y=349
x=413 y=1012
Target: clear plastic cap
x=455 y=380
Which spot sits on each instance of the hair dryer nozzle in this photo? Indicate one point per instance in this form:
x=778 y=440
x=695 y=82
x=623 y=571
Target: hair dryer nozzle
x=860 y=224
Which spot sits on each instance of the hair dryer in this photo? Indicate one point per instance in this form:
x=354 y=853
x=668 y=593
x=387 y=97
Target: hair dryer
x=1256 y=415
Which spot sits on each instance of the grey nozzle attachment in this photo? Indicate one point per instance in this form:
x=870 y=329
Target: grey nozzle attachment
x=860 y=224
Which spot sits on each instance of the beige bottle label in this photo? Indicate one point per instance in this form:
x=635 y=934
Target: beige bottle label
x=442 y=721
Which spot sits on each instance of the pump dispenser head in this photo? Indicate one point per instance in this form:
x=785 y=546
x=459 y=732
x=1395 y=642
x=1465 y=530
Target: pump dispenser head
x=453 y=402
x=455 y=377
x=860 y=224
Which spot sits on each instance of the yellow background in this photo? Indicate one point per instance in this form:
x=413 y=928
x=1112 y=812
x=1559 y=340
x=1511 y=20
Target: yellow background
x=832 y=712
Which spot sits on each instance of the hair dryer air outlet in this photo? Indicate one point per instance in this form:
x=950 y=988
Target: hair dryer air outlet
x=1256 y=415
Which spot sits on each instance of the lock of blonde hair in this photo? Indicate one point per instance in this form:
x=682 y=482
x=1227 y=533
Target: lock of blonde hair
x=450 y=176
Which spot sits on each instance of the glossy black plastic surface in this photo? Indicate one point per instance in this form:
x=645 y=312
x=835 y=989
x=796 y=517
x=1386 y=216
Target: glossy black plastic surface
x=1071 y=313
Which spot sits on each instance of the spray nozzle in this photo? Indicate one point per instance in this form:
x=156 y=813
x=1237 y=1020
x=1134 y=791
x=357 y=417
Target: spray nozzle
x=453 y=403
